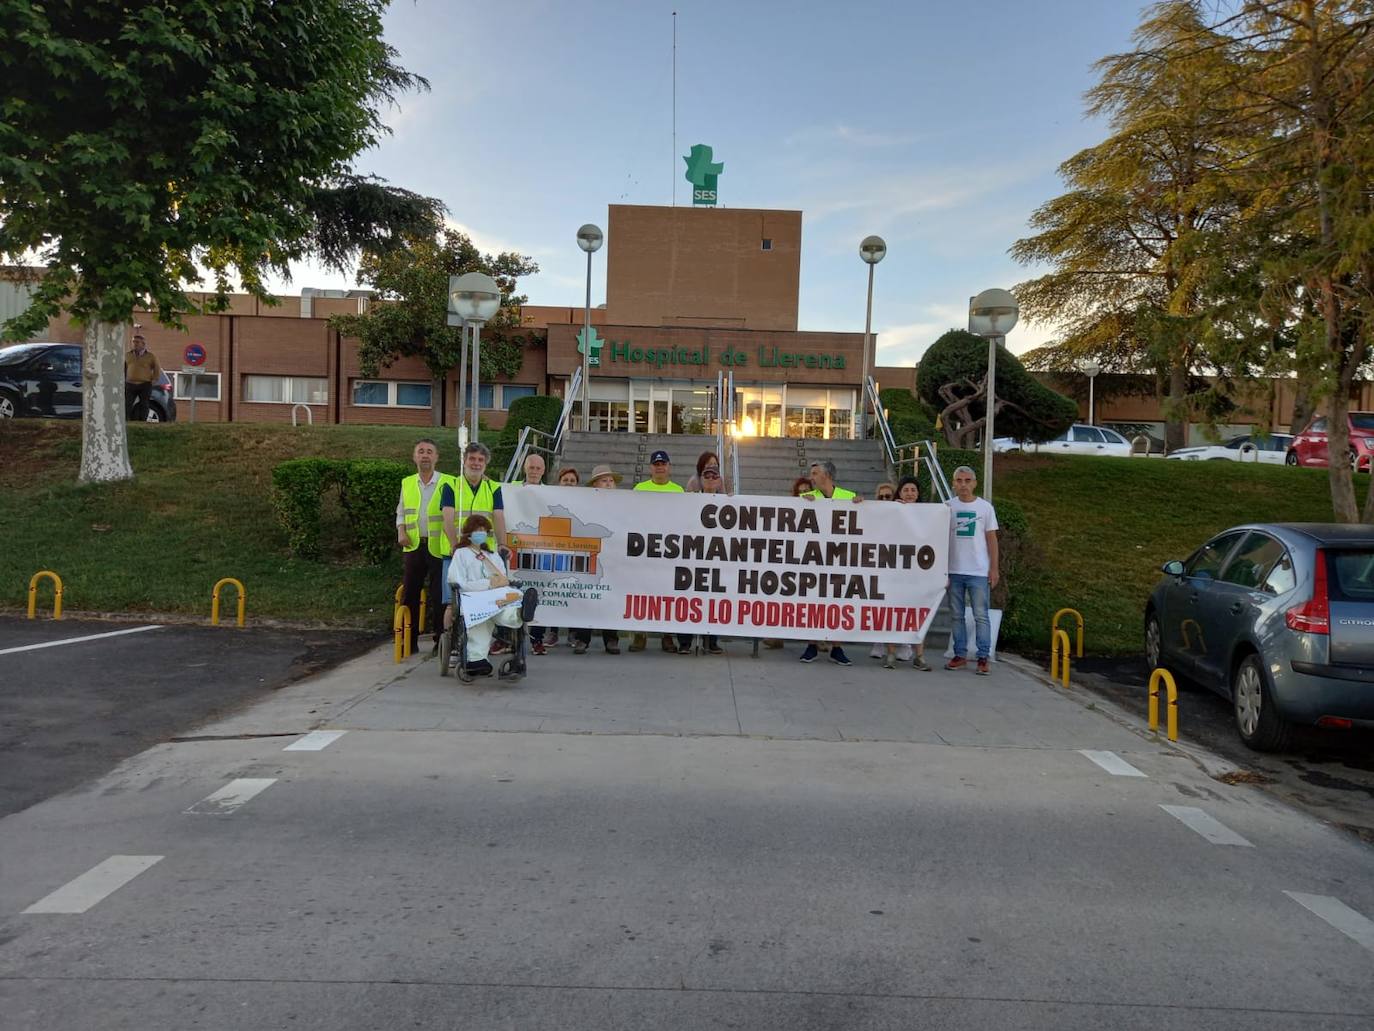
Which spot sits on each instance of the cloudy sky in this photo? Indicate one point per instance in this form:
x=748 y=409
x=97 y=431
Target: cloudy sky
x=936 y=125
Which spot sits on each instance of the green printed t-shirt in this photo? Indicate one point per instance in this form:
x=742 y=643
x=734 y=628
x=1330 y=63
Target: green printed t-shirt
x=663 y=488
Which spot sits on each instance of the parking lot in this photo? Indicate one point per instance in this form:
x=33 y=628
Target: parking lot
x=78 y=696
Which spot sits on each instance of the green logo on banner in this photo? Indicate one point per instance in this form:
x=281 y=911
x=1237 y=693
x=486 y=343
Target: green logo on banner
x=596 y=344
x=702 y=173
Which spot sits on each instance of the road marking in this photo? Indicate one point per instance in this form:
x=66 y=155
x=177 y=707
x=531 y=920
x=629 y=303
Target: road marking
x=232 y=796
x=78 y=640
x=1349 y=922
x=95 y=884
x=1112 y=763
x=315 y=741
x=1209 y=827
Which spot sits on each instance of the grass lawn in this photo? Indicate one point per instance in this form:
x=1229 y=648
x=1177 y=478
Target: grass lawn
x=200 y=509
x=1101 y=528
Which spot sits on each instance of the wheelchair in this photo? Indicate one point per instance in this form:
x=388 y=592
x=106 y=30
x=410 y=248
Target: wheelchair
x=453 y=641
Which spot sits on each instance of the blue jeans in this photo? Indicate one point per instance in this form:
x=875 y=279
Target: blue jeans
x=972 y=591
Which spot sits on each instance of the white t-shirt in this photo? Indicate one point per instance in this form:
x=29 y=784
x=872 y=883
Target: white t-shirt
x=969 y=523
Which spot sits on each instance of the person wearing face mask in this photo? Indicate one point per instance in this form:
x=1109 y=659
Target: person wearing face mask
x=474 y=569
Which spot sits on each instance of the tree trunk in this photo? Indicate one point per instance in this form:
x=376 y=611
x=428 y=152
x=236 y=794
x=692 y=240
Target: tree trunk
x=1303 y=408
x=1338 y=459
x=104 y=435
x=436 y=401
x=1176 y=420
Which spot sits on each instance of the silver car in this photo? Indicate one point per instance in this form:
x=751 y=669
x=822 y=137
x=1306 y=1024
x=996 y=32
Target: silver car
x=1277 y=617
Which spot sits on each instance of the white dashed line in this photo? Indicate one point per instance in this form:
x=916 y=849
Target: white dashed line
x=78 y=640
x=232 y=796
x=95 y=884
x=315 y=741
x=1210 y=828
x=1350 y=923
x=1112 y=763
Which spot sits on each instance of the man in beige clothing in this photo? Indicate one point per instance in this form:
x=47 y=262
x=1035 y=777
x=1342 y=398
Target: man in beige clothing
x=141 y=373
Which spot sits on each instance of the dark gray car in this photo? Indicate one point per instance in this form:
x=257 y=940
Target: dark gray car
x=1277 y=617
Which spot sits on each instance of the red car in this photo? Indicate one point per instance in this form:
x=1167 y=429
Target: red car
x=1309 y=446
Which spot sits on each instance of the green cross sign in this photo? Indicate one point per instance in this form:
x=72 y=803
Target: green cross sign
x=596 y=345
x=702 y=173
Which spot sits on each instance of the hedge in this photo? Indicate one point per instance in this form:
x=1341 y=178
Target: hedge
x=367 y=487
x=540 y=411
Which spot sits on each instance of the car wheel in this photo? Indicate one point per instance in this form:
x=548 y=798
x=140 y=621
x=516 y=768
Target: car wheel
x=9 y=405
x=1291 y=458
x=1154 y=642
x=1257 y=721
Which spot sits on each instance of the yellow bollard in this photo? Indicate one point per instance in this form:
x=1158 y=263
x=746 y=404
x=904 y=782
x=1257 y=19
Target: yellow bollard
x=424 y=598
x=214 y=600
x=400 y=625
x=1057 y=654
x=1054 y=625
x=56 y=594
x=1172 y=690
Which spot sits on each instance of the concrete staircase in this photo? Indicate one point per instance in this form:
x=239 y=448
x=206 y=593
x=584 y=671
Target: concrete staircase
x=767 y=465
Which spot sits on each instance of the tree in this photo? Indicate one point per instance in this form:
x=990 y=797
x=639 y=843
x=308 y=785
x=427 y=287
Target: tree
x=411 y=322
x=1128 y=244
x=145 y=146
x=952 y=379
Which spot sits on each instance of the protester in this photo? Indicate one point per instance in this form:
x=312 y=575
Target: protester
x=425 y=535
x=661 y=471
x=472 y=492
x=705 y=459
x=824 y=488
x=908 y=490
x=909 y=493
x=972 y=568
x=533 y=469
x=801 y=485
x=708 y=480
x=141 y=373
x=604 y=478
x=474 y=569
x=890 y=653
x=569 y=477
x=885 y=492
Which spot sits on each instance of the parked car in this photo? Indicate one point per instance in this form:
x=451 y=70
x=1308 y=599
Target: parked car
x=1279 y=618
x=43 y=380
x=1270 y=450
x=1309 y=446
x=1078 y=439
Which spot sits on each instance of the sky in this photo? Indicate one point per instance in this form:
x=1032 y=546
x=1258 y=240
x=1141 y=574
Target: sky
x=938 y=126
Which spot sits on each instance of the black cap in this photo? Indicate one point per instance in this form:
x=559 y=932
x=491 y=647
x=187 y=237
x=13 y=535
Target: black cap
x=658 y=456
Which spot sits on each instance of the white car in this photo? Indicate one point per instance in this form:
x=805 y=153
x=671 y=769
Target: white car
x=1269 y=450
x=1078 y=439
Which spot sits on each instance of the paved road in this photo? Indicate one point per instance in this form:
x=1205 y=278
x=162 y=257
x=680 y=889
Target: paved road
x=70 y=711
x=678 y=842
x=1328 y=773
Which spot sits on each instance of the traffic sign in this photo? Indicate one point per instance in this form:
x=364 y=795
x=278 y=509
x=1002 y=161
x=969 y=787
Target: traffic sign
x=194 y=354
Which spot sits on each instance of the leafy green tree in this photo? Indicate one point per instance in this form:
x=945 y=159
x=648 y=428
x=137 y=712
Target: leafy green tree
x=952 y=379
x=412 y=319
x=145 y=146
x=1128 y=245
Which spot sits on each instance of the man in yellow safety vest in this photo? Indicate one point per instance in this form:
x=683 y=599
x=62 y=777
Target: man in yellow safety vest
x=824 y=489
x=425 y=537
x=660 y=480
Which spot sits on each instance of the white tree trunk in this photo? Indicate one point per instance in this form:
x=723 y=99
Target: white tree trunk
x=104 y=437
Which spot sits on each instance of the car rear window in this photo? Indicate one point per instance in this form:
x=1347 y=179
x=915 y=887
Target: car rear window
x=1350 y=575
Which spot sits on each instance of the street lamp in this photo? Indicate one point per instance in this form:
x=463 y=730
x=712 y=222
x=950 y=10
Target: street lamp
x=872 y=249
x=589 y=238
x=1090 y=367
x=991 y=314
x=473 y=298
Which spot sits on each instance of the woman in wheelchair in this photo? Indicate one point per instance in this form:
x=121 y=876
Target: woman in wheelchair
x=474 y=569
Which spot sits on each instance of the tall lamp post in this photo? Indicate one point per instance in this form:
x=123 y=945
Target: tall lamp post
x=872 y=249
x=991 y=314
x=589 y=238
x=473 y=298
x=1090 y=367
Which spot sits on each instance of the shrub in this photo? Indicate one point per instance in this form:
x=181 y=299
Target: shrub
x=367 y=491
x=539 y=411
x=909 y=418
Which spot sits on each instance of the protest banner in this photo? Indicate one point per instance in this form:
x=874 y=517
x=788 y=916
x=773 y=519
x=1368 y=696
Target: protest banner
x=746 y=566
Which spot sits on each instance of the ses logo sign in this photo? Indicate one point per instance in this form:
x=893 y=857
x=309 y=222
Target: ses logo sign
x=702 y=173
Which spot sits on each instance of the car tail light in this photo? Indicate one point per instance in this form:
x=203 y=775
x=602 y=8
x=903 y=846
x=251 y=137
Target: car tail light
x=1338 y=722
x=1314 y=615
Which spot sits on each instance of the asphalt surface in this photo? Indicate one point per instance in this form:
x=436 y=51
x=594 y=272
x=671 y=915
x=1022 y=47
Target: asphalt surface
x=656 y=841
x=1329 y=773
x=73 y=711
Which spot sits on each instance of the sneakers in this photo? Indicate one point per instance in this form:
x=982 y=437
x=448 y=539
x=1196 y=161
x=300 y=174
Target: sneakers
x=551 y=639
x=499 y=647
x=958 y=662
x=983 y=667
x=878 y=651
x=838 y=657
x=714 y=649
x=612 y=647
x=904 y=652
x=920 y=663
x=669 y=645
x=539 y=648
x=637 y=643
x=889 y=662
x=810 y=654
x=580 y=648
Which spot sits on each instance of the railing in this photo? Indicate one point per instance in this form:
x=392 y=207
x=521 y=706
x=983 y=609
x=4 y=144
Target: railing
x=309 y=415
x=569 y=399
x=550 y=444
x=938 y=480
x=899 y=456
x=721 y=421
x=731 y=416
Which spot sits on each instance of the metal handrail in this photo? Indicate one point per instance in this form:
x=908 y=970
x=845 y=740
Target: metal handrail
x=569 y=399
x=517 y=458
x=937 y=475
x=734 y=444
x=529 y=437
x=880 y=419
x=720 y=413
